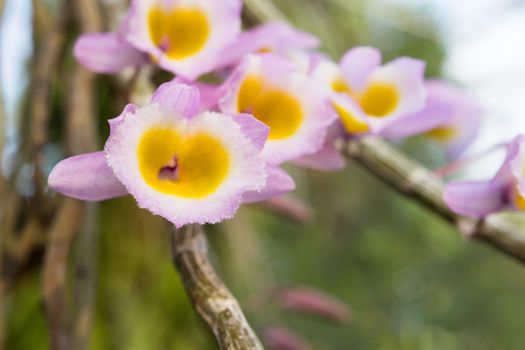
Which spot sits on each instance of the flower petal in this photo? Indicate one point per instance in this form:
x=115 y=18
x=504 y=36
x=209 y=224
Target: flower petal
x=253 y=129
x=277 y=37
x=357 y=64
x=277 y=183
x=327 y=158
x=178 y=98
x=474 y=198
x=86 y=177
x=106 y=53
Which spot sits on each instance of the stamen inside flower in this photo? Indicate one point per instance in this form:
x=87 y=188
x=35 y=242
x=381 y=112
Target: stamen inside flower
x=191 y=167
x=179 y=33
x=379 y=99
x=278 y=109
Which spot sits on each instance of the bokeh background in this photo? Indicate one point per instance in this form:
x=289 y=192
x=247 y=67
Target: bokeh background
x=410 y=280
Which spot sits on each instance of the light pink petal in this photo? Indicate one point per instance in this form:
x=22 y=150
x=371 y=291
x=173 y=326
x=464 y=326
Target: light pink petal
x=280 y=338
x=357 y=64
x=327 y=158
x=274 y=36
x=106 y=53
x=253 y=129
x=416 y=123
x=180 y=99
x=314 y=302
x=475 y=198
x=277 y=183
x=86 y=177
x=289 y=207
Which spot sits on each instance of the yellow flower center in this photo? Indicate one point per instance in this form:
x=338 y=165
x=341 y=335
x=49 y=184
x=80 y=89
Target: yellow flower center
x=519 y=201
x=180 y=33
x=444 y=133
x=278 y=109
x=352 y=124
x=379 y=99
x=191 y=167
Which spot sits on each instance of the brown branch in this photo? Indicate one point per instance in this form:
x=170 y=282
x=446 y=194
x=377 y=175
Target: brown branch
x=54 y=272
x=212 y=300
x=417 y=182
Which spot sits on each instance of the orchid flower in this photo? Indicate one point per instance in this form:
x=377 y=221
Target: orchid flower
x=369 y=97
x=505 y=190
x=283 y=97
x=186 y=166
x=184 y=37
x=450 y=117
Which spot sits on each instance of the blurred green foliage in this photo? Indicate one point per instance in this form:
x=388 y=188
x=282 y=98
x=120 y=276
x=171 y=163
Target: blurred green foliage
x=411 y=281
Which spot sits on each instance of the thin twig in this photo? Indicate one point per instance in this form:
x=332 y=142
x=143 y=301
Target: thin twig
x=212 y=300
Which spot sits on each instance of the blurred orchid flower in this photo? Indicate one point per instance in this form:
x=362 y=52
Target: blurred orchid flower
x=285 y=98
x=450 y=117
x=276 y=37
x=313 y=302
x=184 y=37
x=505 y=190
x=280 y=338
x=186 y=166
x=368 y=96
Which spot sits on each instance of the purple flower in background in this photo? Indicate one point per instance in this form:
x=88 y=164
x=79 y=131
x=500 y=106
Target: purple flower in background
x=186 y=166
x=450 y=117
x=284 y=97
x=184 y=37
x=506 y=190
x=368 y=96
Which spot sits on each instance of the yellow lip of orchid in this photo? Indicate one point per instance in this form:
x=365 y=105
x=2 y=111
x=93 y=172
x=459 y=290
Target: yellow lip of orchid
x=277 y=108
x=181 y=32
x=192 y=166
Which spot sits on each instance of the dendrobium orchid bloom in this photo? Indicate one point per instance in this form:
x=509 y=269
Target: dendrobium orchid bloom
x=369 y=97
x=450 y=117
x=506 y=190
x=184 y=37
x=186 y=166
x=283 y=97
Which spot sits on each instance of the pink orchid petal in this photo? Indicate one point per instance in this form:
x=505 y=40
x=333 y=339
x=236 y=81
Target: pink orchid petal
x=357 y=64
x=178 y=98
x=327 y=158
x=280 y=338
x=313 y=302
x=474 y=198
x=277 y=183
x=86 y=177
x=252 y=128
x=106 y=53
